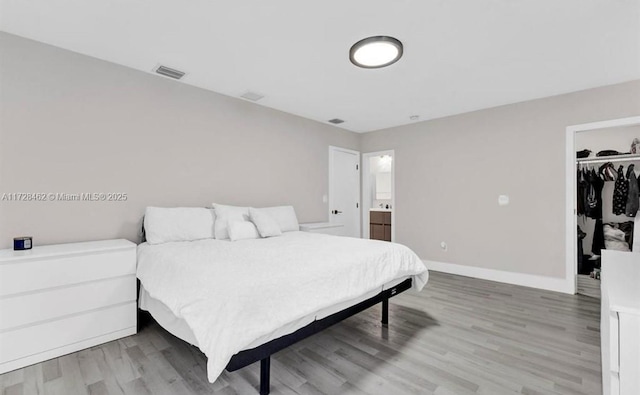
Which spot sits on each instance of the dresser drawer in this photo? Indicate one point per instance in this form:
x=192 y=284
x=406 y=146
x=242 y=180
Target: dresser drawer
x=31 y=275
x=58 y=302
x=380 y=217
x=376 y=232
x=376 y=217
x=36 y=339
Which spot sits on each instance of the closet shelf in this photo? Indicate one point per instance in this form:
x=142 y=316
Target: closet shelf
x=612 y=158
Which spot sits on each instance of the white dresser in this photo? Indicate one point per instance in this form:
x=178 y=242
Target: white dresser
x=620 y=323
x=62 y=298
x=327 y=228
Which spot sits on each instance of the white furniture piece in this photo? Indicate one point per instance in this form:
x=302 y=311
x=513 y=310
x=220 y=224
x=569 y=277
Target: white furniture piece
x=327 y=228
x=620 y=322
x=62 y=298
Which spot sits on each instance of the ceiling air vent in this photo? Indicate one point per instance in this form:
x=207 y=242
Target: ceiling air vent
x=336 y=121
x=251 y=96
x=169 y=72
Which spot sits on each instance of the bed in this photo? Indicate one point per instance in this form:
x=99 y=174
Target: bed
x=242 y=301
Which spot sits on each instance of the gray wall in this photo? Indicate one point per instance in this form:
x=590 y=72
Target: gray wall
x=450 y=171
x=71 y=123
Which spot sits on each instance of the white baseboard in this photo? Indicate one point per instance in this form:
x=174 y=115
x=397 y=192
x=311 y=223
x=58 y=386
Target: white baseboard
x=527 y=280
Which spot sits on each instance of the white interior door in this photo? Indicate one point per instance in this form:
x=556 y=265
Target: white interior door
x=344 y=189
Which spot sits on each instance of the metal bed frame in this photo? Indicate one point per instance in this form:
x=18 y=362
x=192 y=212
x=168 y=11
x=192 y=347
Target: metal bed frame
x=263 y=353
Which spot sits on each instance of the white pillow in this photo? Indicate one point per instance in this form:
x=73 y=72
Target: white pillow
x=225 y=215
x=241 y=230
x=164 y=225
x=285 y=216
x=266 y=224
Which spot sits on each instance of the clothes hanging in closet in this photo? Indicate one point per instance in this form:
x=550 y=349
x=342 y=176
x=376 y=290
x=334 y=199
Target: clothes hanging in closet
x=595 y=184
x=589 y=192
x=582 y=190
x=597 y=245
x=608 y=172
x=633 y=195
x=626 y=200
x=620 y=193
x=581 y=235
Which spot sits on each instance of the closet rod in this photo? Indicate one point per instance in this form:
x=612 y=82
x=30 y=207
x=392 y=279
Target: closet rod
x=605 y=159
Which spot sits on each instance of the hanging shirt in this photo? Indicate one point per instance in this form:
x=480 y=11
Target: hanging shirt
x=594 y=195
x=586 y=189
x=634 y=193
x=608 y=172
x=581 y=191
x=620 y=192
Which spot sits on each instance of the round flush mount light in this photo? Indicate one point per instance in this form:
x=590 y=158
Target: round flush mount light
x=376 y=52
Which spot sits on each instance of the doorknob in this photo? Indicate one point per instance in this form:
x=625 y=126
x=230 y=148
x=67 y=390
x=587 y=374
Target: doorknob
x=336 y=212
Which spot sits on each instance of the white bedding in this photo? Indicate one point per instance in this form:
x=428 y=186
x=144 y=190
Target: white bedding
x=180 y=329
x=231 y=294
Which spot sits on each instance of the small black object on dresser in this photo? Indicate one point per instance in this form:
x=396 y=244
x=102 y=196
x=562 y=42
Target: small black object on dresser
x=22 y=243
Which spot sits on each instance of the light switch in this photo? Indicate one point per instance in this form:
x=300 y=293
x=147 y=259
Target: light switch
x=503 y=200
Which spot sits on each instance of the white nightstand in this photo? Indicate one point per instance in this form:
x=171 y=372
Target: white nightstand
x=62 y=298
x=327 y=228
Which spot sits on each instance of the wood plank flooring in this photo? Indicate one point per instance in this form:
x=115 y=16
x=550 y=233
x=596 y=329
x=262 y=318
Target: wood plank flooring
x=588 y=286
x=458 y=336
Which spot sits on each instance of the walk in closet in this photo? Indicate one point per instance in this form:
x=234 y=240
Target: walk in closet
x=607 y=199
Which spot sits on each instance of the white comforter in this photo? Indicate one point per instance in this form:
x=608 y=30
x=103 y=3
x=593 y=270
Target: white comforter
x=232 y=293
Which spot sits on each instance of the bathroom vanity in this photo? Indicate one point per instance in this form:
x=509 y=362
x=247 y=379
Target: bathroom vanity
x=380 y=224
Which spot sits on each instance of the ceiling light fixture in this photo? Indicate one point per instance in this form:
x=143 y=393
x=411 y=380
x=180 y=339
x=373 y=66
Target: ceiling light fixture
x=376 y=52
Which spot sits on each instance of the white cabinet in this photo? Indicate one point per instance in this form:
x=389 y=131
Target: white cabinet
x=58 y=299
x=620 y=323
x=327 y=228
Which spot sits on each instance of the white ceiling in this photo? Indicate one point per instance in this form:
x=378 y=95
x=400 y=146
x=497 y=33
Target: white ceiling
x=460 y=55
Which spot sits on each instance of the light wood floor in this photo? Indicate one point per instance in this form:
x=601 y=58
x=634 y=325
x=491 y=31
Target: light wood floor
x=458 y=336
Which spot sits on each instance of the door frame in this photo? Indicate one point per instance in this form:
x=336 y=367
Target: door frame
x=366 y=189
x=332 y=149
x=571 y=238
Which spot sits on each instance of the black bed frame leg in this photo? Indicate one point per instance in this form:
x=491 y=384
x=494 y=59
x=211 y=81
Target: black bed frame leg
x=385 y=311
x=265 y=368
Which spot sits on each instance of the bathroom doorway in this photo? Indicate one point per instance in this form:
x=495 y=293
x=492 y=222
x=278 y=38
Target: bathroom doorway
x=378 y=195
